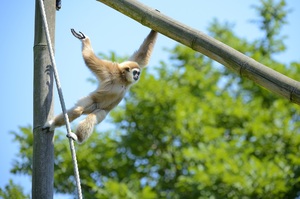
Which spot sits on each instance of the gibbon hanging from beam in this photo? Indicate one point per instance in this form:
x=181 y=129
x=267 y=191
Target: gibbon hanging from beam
x=114 y=81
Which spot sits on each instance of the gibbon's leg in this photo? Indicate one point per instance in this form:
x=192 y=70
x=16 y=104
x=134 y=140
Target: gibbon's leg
x=73 y=113
x=59 y=120
x=86 y=126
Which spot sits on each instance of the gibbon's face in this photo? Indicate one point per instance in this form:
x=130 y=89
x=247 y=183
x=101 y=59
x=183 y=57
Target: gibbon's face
x=136 y=74
x=132 y=71
x=132 y=75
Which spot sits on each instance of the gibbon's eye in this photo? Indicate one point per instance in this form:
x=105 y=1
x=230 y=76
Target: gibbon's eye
x=136 y=72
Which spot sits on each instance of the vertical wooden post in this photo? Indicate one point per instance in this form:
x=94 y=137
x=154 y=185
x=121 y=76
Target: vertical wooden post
x=43 y=149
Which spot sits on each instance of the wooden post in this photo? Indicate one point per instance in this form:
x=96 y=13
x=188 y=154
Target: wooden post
x=43 y=149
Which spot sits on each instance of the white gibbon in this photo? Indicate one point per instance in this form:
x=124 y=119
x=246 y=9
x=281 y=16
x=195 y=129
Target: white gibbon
x=114 y=80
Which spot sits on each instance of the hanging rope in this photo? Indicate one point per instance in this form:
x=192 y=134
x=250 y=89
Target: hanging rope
x=62 y=102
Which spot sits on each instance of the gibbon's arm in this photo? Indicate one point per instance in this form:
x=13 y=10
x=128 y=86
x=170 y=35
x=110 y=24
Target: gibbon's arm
x=142 y=55
x=95 y=64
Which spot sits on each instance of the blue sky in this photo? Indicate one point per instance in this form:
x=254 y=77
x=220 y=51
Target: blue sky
x=109 y=31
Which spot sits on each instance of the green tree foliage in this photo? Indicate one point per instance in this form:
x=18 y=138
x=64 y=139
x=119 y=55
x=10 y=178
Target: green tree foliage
x=193 y=129
x=12 y=191
x=273 y=17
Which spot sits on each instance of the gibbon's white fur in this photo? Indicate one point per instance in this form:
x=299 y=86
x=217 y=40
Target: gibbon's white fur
x=114 y=80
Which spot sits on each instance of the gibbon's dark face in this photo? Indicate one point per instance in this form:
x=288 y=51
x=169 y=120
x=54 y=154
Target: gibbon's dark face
x=132 y=75
x=136 y=74
x=132 y=71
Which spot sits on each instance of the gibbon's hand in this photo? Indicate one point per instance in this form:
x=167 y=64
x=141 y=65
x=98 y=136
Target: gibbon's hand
x=79 y=35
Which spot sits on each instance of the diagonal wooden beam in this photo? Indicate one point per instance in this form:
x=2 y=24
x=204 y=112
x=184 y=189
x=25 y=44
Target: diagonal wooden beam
x=216 y=50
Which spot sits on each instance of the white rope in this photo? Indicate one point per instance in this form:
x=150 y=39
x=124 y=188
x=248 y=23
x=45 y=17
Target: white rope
x=61 y=98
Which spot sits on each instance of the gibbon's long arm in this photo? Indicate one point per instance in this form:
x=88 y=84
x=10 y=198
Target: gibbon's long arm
x=142 y=55
x=98 y=66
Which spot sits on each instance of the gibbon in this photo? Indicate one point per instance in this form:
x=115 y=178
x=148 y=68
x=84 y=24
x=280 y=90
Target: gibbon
x=114 y=80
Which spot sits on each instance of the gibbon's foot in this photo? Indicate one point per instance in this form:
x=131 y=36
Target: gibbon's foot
x=79 y=35
x=48 y=126
x=73 y=136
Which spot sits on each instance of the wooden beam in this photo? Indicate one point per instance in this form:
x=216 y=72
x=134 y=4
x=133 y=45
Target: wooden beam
x=216 y=50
